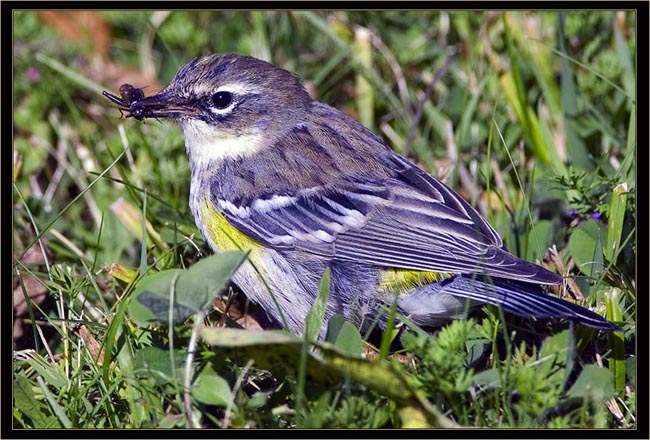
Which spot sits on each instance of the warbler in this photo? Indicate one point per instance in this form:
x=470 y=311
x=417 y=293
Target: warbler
x=303 y=187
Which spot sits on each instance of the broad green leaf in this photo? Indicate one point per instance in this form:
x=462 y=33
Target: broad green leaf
x=25 y=401
x=538 y=240
x=333 y=328
x=594 y=382
x=490 y=378
x=344 y=336
x=211 y=389
x=584 y=245
x=150 y=300
x=155 y=363
x=554 y=357
x=217 y=269
x=198 y=286
x=556 y=346
x=194 y=290
x=476 y=349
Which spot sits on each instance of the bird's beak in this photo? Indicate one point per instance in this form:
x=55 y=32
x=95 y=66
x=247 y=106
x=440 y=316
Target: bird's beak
x=161 y=105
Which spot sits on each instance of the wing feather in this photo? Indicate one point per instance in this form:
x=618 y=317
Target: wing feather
x=404 y=218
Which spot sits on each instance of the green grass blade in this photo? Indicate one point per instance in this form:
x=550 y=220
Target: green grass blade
x=575 y=145
x=56 y=408
x=365 y=91
x=625 y=61
x=616 y=217
x=616 y=341
x=70 y=73
x=389 y=334
x=72 y=202
x=314 y=321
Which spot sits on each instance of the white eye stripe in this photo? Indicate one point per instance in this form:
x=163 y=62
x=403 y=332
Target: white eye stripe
x=223 y=111
x=235 y=89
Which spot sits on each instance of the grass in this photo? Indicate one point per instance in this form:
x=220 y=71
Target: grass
x=533 y=122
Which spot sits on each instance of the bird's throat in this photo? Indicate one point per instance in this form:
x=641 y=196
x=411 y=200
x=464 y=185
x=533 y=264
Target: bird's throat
x=206 y=145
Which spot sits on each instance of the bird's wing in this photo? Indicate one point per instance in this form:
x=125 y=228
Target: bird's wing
x=427 y=226
x=410 y=221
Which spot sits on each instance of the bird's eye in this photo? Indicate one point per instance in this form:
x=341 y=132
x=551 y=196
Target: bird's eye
x=222 y=99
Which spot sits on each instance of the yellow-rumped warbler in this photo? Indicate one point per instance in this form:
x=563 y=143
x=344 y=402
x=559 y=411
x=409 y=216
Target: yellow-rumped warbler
x=303 y=187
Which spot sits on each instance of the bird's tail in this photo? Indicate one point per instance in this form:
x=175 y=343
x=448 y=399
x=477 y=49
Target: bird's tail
x=518 y=298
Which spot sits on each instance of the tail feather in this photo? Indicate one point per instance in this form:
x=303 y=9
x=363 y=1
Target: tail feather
x=517 y=298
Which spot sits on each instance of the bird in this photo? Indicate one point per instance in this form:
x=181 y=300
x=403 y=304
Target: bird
x=303 y=187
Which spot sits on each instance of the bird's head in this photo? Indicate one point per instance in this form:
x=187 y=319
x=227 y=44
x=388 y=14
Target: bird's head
x=228 y=105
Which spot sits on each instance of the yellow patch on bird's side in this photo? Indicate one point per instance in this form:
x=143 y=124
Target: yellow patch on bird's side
x=402 y=280
x=223 y=235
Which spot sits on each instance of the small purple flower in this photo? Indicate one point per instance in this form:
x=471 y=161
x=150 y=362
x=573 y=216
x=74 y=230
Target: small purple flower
x=596 y=215
x=573 y=214
x=33 y=74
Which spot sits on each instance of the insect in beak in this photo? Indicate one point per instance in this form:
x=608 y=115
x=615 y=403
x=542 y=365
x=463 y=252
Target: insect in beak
x=129 y=95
